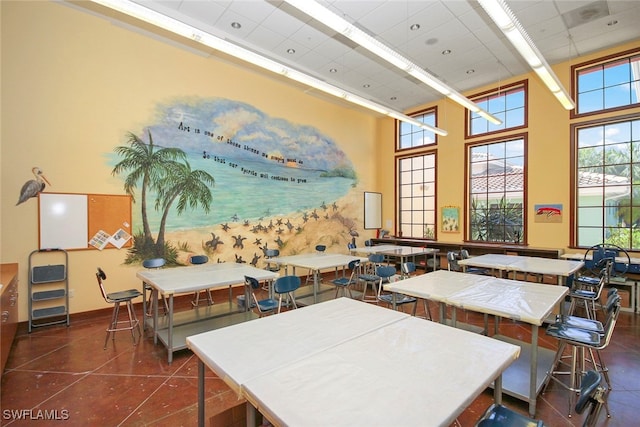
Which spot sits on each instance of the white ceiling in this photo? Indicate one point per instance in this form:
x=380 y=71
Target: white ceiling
x=479 y=53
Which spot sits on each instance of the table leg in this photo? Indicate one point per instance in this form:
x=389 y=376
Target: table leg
x=497 y=390
x=250 y=413
x=316 y=273
x=170 y=330
x=154 y=301
x=144 y=306
x=533 y=379
x=200 y=393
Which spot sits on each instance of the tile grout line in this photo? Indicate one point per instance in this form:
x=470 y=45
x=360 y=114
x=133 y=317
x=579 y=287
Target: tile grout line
x=168 y=378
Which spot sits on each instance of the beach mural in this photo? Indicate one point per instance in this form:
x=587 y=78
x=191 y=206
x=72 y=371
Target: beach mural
x=222 y=178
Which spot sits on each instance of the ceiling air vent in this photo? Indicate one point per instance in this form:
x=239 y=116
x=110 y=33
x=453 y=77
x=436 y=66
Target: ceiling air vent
x=587 y=13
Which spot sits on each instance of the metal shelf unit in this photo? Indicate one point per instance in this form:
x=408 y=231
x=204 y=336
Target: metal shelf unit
x=48 y=288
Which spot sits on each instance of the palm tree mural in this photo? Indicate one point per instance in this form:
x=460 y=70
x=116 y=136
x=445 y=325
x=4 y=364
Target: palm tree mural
x=189 y=187
x=160 y=170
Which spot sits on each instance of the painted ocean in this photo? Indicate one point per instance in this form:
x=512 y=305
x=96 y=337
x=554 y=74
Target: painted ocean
x=263 y=166
x=251 y=191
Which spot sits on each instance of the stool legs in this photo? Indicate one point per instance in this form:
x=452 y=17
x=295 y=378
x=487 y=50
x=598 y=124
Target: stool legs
x=196 y=299
x=132 y=322
x=577 y=367
x=373 y=289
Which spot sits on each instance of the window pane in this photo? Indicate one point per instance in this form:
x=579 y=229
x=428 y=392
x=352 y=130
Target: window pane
x=514 y=118
x=410 y=136
x=590 y=101
x=417 y=196
x=611 y=84
x=496 y=191
x=507 y=105
x=591 y=79
x=608 y=198
x=616 y=96
x=616 y=73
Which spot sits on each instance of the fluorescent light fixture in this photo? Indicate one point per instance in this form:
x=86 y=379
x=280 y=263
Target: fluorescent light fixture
x=152 y=17
x=504 y=18
x=340 y=25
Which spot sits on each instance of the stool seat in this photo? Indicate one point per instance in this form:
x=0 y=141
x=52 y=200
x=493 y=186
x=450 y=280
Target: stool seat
x=123 y=296
x=574 y=334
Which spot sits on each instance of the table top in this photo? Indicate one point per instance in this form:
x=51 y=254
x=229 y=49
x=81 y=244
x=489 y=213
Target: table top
x=316 y=261
x=296 y=373
x=524 y=301
x=525 y=264
x=197 y=277
x=397 y=250
x=589 y=257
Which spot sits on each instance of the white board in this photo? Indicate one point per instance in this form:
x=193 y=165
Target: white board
x=372 y=210
x=63 y=221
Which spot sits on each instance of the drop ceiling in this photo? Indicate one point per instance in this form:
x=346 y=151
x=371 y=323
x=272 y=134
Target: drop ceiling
x=453 y=39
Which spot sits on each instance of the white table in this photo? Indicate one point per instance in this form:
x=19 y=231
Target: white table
x=316 y=262
x=524 y=264
x=168 y=282
x=399 y=251
x=523 y=301
x=344 y=363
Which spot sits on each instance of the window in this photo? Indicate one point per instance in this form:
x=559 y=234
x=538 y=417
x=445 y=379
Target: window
x=410 y=136
x=607 y=183
x=496 y=187
x=417 y=196
x=611 y=84
x=508 y=104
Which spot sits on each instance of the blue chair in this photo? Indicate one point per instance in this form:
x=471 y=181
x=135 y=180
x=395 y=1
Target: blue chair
x=385 y=273
x=592 y=396
x=464 y=254
x=198 y=260
x=117 y=298
x=286 y=285
x=344 y=283
x=269 y=254
x=586 y=291
x=319 y=249
x=501 y=416
x=452 y=261
x=369 y=276
x=152 y=263
x=408 y=270
x=265 y=306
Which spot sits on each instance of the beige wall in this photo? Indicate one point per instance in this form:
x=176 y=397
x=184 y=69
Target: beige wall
x=72 y=86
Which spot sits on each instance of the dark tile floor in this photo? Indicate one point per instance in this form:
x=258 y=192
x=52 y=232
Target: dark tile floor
x=65 y=373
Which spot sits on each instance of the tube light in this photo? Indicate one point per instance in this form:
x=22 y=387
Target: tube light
x=142 y=13
x=335 y=22
x=504 y=18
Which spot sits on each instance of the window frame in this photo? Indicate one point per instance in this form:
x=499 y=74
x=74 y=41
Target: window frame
x=398 y=189
x=467 y=190
x=493 y=93
x=574 y=129
x=399 y=125
x=602 y=61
